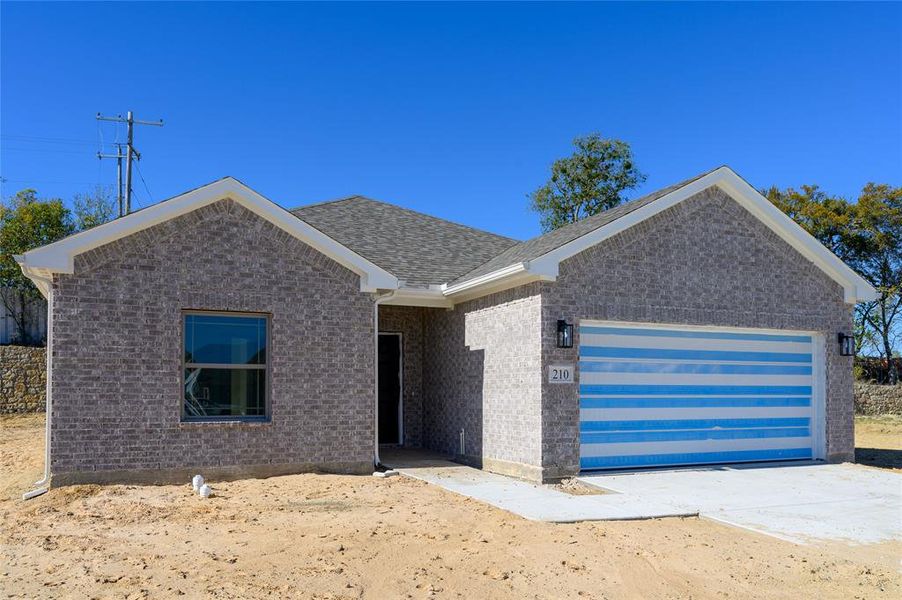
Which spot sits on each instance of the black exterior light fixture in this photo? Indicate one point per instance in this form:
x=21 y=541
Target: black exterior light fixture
x=846 y=345
x=564 y=334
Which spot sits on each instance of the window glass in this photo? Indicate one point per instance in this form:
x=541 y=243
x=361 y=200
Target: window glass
x=225 y=393
x=225 y=366
x=223 y=339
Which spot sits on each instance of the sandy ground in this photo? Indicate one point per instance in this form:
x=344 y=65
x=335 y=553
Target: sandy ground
x=320 y=536
x=878 y=441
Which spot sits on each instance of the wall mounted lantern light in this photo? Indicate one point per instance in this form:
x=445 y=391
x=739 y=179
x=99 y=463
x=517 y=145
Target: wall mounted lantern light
x=564 y=334
x=846 y=345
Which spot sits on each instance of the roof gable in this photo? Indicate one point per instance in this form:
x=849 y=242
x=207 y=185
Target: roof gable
x=59 y=257
x=542 y=244
x=539 y=258
x=430 y=261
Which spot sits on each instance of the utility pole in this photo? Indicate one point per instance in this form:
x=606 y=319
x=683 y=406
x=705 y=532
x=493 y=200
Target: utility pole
x=130 y=151
x=118 y=156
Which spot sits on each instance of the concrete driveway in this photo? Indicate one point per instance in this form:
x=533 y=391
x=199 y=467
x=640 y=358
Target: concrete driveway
x=800 y=502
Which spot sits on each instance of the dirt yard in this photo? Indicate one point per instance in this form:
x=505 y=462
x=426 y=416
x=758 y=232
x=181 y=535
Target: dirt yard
x=878 y=441
x=319 y=536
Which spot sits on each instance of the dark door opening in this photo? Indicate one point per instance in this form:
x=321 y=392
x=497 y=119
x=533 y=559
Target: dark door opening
x=389 y=388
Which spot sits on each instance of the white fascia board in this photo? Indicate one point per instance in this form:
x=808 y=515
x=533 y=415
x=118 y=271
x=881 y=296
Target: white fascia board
x=482 y=280
x=431 y=297
x=856 y=289
x=59 y=257
x=496 y=281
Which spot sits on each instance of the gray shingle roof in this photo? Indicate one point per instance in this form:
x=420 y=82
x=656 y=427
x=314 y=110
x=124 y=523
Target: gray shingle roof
x=543 y=244
x=417 y=248
x=422 y=250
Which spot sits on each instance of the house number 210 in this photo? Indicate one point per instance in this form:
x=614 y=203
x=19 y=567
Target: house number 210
x=560 y=374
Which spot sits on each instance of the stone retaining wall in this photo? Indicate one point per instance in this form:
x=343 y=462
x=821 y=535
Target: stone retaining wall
x=23 y=379
x=871 y=399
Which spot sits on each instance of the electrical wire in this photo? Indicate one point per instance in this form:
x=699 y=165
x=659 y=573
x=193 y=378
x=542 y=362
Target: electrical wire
x=44 y=150
x=141 y=175
x=46 y=140
x=46 y=181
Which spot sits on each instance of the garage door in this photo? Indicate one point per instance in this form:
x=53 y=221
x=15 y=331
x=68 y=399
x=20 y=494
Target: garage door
x=657 y=396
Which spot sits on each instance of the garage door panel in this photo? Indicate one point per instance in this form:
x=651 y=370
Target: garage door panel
x=632 y=389
x=672 y=394
x=589 y=368
x=665 y=424
x=728 y=345
x=693 y=458
x=593 y=378
x=614 y=437
x=594 y=415
x=694 y=354
x=593 y=402
x=621 y=334
x=682 y=446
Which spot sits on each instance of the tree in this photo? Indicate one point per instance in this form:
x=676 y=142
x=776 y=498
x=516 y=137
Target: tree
x=868 y=236
x=94 y=208
x=876 y=253
x=25 y=223
x=827 y=218
x=589 y=181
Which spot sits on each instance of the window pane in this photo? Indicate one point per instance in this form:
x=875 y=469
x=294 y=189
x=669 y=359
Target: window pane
x=225 y=393
x=223 y=339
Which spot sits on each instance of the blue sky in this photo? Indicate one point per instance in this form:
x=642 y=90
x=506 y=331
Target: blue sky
x=454 y=110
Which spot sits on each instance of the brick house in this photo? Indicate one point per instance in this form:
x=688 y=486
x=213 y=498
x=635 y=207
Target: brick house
x=216 y=331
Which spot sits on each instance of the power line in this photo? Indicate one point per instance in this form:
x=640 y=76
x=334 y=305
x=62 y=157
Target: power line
x=146 y=189
x=43 y=150
x=48 y=181
x=49 y=140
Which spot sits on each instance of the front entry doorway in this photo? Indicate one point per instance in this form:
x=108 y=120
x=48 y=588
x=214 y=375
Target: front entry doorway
x=391 y=430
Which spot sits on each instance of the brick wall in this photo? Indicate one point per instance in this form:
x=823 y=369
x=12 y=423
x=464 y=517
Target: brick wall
x=482 y=374
x=23 y=379
x=117 y=354
x=706 y=261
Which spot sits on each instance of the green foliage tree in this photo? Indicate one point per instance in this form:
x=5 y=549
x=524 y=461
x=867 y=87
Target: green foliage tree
x=827 y=218
x=876 y=253
x=868 y=235
x=25 y=223
x=94 y=208
x=589 y=181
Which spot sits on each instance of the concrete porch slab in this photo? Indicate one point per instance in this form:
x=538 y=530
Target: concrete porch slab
x=801 y=502
x=530 y=501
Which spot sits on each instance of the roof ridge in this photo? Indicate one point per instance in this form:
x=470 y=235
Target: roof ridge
x=410 y=210
x=321 y=202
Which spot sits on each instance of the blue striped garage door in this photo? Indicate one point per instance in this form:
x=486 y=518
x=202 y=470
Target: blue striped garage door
x=662 y=395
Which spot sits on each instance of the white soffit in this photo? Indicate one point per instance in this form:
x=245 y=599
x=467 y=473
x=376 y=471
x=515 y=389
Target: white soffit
x=59 y=257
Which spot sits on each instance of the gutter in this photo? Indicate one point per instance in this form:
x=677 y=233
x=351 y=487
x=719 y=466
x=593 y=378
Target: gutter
x=492 y=277
x=43 y=484
x=377 y=462
x=501 y=279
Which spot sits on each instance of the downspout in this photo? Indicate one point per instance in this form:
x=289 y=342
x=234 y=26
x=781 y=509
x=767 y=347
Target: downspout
x=43 y=484
x=377 y=463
